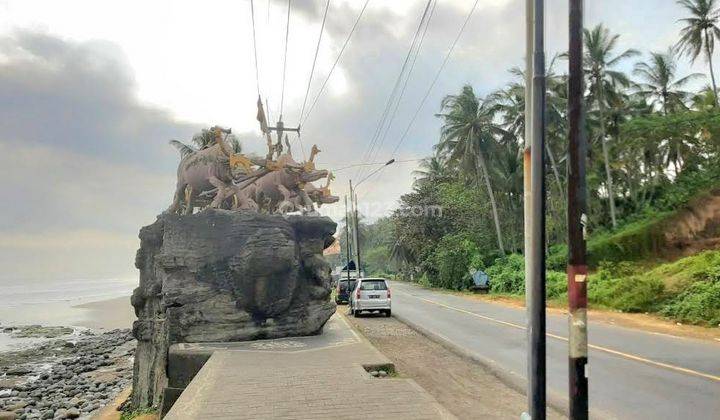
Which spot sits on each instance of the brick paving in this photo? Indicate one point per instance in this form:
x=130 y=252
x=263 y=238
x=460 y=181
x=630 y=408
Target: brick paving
x=302 y=378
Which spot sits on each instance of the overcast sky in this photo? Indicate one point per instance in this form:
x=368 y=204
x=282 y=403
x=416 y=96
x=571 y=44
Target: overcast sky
x=91 y=92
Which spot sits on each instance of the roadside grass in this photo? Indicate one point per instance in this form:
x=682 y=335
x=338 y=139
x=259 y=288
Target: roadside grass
x=141 y=413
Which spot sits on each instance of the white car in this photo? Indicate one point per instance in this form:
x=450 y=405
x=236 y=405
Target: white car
x=371 y=294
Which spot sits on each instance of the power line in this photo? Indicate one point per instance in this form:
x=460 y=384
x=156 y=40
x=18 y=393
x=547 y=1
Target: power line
x=355 y=165
x=391 y=98
x=312 y=70
x=257 y=72
x=407 y=79
x=287 y=32
x=347 y=40
x=432 y=85
x=437 y=76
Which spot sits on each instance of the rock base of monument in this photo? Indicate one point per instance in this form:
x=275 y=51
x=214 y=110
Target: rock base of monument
x=224 y=276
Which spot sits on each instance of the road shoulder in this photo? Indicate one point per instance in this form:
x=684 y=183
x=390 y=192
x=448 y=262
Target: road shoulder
x=466 y=388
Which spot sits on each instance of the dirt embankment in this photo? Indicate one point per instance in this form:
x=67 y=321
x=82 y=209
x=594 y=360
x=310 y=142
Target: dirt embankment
x=466 y=389
x=694 y=228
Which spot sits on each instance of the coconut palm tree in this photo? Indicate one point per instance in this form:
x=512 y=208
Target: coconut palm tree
x=510 y=104
x=700 y=32
x=203 y=140
x=659 y=82
x=603 y=84
x=468 y=135
x=432 y=168
x=704 y=100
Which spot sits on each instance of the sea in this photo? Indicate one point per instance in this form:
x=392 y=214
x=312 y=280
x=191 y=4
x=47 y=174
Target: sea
x=52 y=303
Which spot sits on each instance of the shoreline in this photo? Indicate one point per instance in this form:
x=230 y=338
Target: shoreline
x=61 y=360
x=107 y=314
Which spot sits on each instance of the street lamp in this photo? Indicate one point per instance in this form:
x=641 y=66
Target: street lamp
x=353 y=205
x=389 y=162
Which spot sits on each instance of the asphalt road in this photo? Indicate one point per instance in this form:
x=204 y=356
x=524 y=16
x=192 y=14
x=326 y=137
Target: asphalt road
x=632 y=374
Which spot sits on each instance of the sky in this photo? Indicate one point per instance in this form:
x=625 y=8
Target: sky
x=91 y=92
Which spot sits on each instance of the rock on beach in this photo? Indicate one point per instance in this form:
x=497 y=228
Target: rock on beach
x=62 y=378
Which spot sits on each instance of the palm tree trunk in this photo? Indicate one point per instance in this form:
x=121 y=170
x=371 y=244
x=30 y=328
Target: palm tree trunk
x=606 y=157
x=712 y=72
x=496 y=216
x=561 y=190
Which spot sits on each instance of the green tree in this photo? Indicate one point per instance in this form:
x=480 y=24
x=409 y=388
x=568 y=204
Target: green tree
x=433 y=168
x=660 y=83
x=603 y=84
x=468 y=135
x=700 y=32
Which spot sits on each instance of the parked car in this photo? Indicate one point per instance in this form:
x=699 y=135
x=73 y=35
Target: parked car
x=370 y=295
x=342 y=291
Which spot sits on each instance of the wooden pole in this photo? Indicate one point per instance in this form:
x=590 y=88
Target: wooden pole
x=577 y=208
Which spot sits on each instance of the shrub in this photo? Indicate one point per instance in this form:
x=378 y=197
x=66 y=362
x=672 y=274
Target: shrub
x=452 y=259
x=424 y=280
x=557 y=258
x=615 y=286
x=555 y=284
x=699 y=304
x=507 y=275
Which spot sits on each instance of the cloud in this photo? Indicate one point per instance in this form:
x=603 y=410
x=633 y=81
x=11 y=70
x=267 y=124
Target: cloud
x=80 y=97
x=88 y=162
x=84 y=163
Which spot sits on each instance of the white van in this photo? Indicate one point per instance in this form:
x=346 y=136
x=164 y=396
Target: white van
x=371 y=294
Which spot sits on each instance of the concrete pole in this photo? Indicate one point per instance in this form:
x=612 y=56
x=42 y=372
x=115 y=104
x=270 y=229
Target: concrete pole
x=577 y=208
x=353 y=216
x=536 y=288
x=357 y=236
x=347 y=241
x=527 y=161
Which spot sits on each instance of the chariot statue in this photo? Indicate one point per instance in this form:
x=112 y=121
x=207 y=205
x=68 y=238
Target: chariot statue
x=218 y=175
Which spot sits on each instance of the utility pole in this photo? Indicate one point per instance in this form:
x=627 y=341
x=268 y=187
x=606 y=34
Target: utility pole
x=577 y=209
x=536 y=280
x=527 y=176
x=347 y=242
x=357 y=236
x=353 y=212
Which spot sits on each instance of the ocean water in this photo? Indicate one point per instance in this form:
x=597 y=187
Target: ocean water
x=53 y=303
x=17 y=294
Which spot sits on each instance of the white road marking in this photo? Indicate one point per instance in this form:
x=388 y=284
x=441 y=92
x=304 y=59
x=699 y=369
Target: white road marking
x=561 y=338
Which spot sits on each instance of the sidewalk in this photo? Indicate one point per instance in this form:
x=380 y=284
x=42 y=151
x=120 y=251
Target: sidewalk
x=320 y=377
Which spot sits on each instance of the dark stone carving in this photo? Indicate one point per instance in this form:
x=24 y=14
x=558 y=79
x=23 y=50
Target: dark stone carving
x=222 y=275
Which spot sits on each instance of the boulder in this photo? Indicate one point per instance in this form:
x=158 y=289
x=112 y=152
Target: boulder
x=219 y=276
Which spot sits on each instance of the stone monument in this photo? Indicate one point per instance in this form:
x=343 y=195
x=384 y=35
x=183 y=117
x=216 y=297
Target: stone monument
x=248 y=265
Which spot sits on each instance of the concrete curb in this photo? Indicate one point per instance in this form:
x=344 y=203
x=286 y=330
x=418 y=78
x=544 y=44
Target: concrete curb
x=445 y=414
x=509 y=378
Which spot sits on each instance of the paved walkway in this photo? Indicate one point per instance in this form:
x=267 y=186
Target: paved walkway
x=321 y=377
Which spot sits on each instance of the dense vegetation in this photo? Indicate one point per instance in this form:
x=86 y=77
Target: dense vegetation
x=653 y=147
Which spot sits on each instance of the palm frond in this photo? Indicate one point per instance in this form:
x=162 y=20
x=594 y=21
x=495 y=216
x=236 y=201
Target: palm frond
x=184 y=149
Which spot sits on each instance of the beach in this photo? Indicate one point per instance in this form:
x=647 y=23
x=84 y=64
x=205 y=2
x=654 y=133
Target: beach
x=66 y=349
x=107 y=314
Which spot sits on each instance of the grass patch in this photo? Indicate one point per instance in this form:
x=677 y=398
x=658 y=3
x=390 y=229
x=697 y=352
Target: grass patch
x=681 y=274
x=634 y=242
x=129 y=415
x=687 y=290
